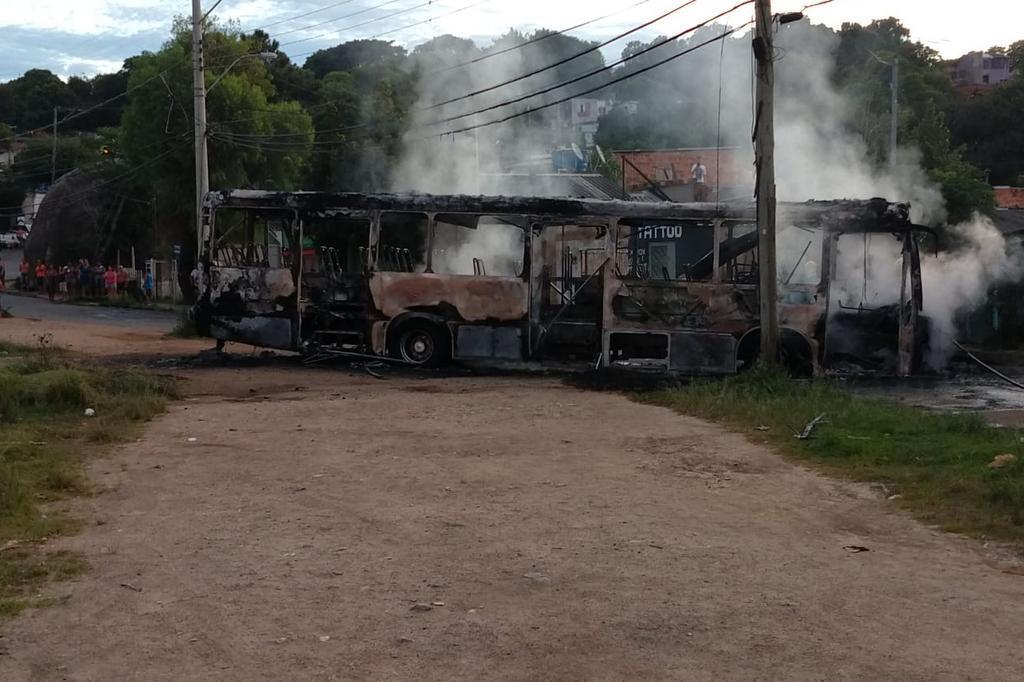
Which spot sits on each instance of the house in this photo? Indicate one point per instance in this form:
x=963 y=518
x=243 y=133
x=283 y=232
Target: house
x=978 y=71
x=1009 y=197
x=576 y=120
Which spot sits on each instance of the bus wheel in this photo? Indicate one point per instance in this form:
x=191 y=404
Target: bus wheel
x=421 y=343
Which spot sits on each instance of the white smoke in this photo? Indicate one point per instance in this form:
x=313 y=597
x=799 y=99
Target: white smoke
x=960 y=280
x=435 y=161
x=820 y=154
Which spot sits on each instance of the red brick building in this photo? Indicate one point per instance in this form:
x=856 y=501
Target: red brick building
x=1009 y=197
x=727 y=167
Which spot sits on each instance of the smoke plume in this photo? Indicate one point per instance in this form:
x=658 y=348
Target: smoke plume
x=705 y=99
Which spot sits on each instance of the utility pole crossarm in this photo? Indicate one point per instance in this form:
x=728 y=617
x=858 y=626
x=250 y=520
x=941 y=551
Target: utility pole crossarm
x=764 y=155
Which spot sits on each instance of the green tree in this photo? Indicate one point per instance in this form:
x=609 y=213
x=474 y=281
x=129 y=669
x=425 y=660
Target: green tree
x=30 y=99
x=370 y=58
x=1016 y=54
x=33 y=165
x=254 y=140
x=990 y=131
x=964 y=189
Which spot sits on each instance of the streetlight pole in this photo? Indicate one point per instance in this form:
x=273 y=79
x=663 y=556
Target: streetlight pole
x=199 y=114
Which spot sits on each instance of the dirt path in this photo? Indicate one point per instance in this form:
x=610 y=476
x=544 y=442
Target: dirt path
x=559 y=534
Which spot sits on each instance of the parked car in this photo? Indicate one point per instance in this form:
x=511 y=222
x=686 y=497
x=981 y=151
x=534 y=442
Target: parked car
x=9 y=240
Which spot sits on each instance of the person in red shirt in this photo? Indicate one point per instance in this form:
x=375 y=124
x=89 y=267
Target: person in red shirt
x=122 y=279
x=110 y=279
x=40 y=276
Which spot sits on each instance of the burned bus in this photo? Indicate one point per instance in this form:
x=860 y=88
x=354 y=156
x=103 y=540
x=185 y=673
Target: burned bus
x=425 y=280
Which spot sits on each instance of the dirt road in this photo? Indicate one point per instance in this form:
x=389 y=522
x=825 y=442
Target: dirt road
x=328 y=525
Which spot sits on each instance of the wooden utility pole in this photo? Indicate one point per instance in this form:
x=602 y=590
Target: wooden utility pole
x=764 y=162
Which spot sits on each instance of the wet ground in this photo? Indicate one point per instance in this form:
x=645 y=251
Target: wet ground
x=964 y=390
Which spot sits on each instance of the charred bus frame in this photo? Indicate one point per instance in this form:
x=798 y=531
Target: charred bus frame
x=425 y=279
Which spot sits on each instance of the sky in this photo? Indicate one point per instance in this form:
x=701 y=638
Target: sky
x=85 y=37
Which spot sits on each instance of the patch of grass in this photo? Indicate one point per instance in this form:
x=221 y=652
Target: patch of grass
x=44 y=438
x=937 y=463
x=23 y=570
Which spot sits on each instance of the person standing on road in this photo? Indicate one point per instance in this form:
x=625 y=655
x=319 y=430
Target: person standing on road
x=68 y=277
x=84 y=278
x=3 y=276
x=110 y=279
x=147 y=286
x=41 y=275
x=52 y=275
x=122 y=279
x=23 y=268
x=98 y=272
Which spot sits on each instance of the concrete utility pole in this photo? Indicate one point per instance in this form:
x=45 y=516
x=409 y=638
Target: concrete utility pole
x=199 y=112
x=53 y=154
x=764 y=162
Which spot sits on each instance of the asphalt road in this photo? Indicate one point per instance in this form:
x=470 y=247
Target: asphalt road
x=41 y=309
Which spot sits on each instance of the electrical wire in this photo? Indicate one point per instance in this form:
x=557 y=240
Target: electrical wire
x=566 y=60
x=598 y=87
x=537 y=39
x=457 y=10
x=382 y=17
x=343 y=16
x=653 y=46
x=303 y=15
x=130 y=171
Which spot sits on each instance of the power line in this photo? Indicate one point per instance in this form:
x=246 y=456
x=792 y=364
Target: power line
x=299 y=16
x=93 y=187
x=566 y=60
x=418 y=23
x=653 y=46
x=281 y=144
x=363 y=23
x=599 y=87
x=537 y=39
x=343 y=16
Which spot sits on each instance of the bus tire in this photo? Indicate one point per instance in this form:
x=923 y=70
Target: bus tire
x=422 y=343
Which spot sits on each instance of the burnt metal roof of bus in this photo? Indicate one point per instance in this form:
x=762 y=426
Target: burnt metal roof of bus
x=844 y=215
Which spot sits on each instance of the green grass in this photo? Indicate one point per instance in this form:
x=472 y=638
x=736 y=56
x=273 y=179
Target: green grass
x=937 y=463
x=44 y=440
